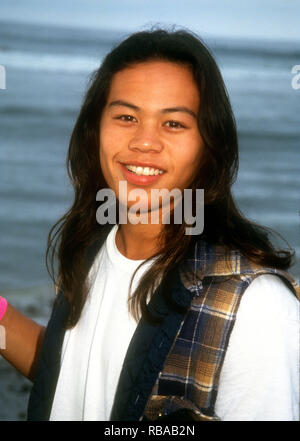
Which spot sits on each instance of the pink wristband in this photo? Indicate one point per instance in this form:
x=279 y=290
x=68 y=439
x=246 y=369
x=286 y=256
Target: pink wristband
x=3 y=306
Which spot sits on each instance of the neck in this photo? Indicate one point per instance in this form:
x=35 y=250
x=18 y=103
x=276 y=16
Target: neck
x=138 y=242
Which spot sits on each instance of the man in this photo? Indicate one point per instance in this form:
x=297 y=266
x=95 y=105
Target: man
x=210 y=314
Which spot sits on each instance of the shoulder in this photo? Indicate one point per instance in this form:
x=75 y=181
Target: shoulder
x=259 y=380
x=206 y=260
x=269 y=297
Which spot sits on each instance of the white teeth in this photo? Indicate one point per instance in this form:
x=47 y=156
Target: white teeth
x=146 y=171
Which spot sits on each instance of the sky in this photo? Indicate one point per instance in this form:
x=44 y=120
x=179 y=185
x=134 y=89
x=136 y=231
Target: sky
x=250 y=19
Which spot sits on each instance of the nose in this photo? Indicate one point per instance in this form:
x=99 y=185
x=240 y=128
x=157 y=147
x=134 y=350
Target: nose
x=146 y=139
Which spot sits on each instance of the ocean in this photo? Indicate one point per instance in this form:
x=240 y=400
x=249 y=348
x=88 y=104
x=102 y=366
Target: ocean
x=47 y=72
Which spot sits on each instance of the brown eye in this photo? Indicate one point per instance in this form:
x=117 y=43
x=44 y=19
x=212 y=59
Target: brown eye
x=126 y=118
x=175 y=125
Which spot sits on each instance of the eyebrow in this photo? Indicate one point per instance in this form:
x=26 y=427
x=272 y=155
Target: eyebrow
x=168 y=110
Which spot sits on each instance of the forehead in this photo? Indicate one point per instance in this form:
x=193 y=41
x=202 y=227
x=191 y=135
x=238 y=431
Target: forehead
x=156 y=83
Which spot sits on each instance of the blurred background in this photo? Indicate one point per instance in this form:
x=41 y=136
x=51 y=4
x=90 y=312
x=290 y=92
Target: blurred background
x=49 y=50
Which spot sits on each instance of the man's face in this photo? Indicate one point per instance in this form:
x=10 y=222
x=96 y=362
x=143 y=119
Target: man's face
x=150 y=120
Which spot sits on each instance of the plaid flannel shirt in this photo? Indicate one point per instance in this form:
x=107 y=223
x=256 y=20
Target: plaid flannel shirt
x=190 y=376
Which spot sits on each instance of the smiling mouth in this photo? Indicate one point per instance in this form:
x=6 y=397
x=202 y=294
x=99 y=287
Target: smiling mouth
x=143 y=171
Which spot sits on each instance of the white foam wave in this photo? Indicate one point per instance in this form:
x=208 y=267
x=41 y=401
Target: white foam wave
x=252 y=74
x=72 y=63
x=48 y=62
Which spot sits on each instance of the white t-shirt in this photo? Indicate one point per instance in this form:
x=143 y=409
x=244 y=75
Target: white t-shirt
x=260 y=375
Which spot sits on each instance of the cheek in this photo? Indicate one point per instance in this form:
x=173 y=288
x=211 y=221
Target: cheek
x=191 y=156
x=110 y=141
x=198 y=151
x=106 y=147
x=104 y=154
x=107 y=154
x=190 y=162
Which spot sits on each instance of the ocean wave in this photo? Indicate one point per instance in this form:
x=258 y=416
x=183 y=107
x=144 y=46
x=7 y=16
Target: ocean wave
x=248 y=74
x=48 y=62
x=32 y=110
x=256 y=49
x=79 y=63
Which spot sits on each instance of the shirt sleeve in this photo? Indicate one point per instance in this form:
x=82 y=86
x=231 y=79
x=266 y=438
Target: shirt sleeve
x=259 y=380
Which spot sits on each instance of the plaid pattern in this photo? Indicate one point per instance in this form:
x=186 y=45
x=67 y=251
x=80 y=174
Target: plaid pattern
x=190 y=375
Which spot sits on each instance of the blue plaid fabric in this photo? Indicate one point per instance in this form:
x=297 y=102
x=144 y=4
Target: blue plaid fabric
x=190 y=376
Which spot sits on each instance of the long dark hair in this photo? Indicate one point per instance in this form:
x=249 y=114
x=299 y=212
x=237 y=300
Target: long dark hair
x=73 y=234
